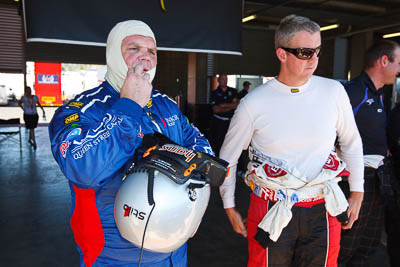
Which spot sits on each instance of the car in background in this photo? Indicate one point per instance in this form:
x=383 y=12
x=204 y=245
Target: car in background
x=3 y=95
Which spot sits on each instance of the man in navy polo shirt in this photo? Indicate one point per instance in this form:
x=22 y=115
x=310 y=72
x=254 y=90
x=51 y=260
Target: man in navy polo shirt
x=224 y=101
x=382 y=65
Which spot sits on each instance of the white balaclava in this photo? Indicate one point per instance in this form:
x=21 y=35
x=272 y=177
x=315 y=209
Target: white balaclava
x=116 y=66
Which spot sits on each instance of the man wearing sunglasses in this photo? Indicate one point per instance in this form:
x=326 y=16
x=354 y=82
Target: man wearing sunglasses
x=291 y=124
x=382 y=65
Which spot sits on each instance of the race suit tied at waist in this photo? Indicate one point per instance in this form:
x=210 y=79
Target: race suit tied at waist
x=278 y=176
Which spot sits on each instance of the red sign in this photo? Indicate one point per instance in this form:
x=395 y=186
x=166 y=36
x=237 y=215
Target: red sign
x=48 y=83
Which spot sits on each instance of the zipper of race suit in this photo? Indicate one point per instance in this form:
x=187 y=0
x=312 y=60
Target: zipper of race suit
x=153 y=121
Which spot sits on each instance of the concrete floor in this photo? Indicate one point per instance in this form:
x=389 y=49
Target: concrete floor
x=35 y=206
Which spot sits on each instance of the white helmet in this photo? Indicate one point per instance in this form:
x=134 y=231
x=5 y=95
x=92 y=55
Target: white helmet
x=162 y=200
x=175 y=217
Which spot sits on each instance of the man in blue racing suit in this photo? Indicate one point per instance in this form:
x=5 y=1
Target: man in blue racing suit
x=94 y=138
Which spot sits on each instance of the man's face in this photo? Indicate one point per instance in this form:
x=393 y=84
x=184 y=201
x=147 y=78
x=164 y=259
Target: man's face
x=222 y=80
x=28 y=91
x=393 y=68
x=300 y=68
x=138 y=49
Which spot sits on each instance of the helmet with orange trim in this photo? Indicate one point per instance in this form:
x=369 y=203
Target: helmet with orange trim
x=163 y=198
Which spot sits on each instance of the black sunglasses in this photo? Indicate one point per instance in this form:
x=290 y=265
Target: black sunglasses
x=304 y=53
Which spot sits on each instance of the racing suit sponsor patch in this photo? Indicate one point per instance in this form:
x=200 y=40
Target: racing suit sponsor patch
x=95 y=137
x=75 y=104
x=74 y=125
x=150 y=103
x=71 y=118
x=273 y=171
x=171 y=120
x=74 y=132
x=331 y=163
x=63 y=148
x=280 y=195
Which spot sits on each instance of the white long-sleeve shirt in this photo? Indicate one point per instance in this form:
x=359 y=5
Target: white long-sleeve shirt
x=297 y=125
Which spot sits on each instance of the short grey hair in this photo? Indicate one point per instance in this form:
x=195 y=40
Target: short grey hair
x=290 y=25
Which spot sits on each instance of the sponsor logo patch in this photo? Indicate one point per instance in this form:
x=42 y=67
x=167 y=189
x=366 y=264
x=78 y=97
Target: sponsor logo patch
x=273 y=171
x=171 y=120
x=71 y=118
x=331 y=163
x=76 y=104
x=129 y=211
x=74 y=132
x=280 y=196
x=294 y=198
x=63 y=148
x=294 y=90
x=187 y=153
x=94 y=136
x=253 y=187
x=74 y=125
x=370 y=101
x=150 y=103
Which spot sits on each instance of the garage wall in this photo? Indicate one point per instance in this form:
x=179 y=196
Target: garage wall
x=259 y=56
x=12 y=54
x=65 y=53
x=171 y=76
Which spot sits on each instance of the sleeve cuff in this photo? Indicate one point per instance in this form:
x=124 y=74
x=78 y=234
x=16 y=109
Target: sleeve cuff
x=356 y=187
x=128 y=106
x=228 y=203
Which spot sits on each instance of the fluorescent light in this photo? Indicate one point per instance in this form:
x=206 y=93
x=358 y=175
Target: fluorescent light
x=330 y=27
x=249 y=18
x=391 y=35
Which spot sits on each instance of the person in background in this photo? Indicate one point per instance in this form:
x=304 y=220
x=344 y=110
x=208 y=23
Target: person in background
x=224 y=101
x=28 y=104
x=291 y=124
x=382 y=65
x=95 y=136
x=392 y=219
x=245 y=90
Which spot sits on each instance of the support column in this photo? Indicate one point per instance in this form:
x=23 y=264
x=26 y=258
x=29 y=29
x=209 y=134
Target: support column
x=359 y=44
x=191 y=89
x=340 y=59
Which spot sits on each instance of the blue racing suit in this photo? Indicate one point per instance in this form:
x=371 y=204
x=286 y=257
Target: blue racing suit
x=93 y=139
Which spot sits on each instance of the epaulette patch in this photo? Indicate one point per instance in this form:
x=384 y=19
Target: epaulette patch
x=75 y=104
